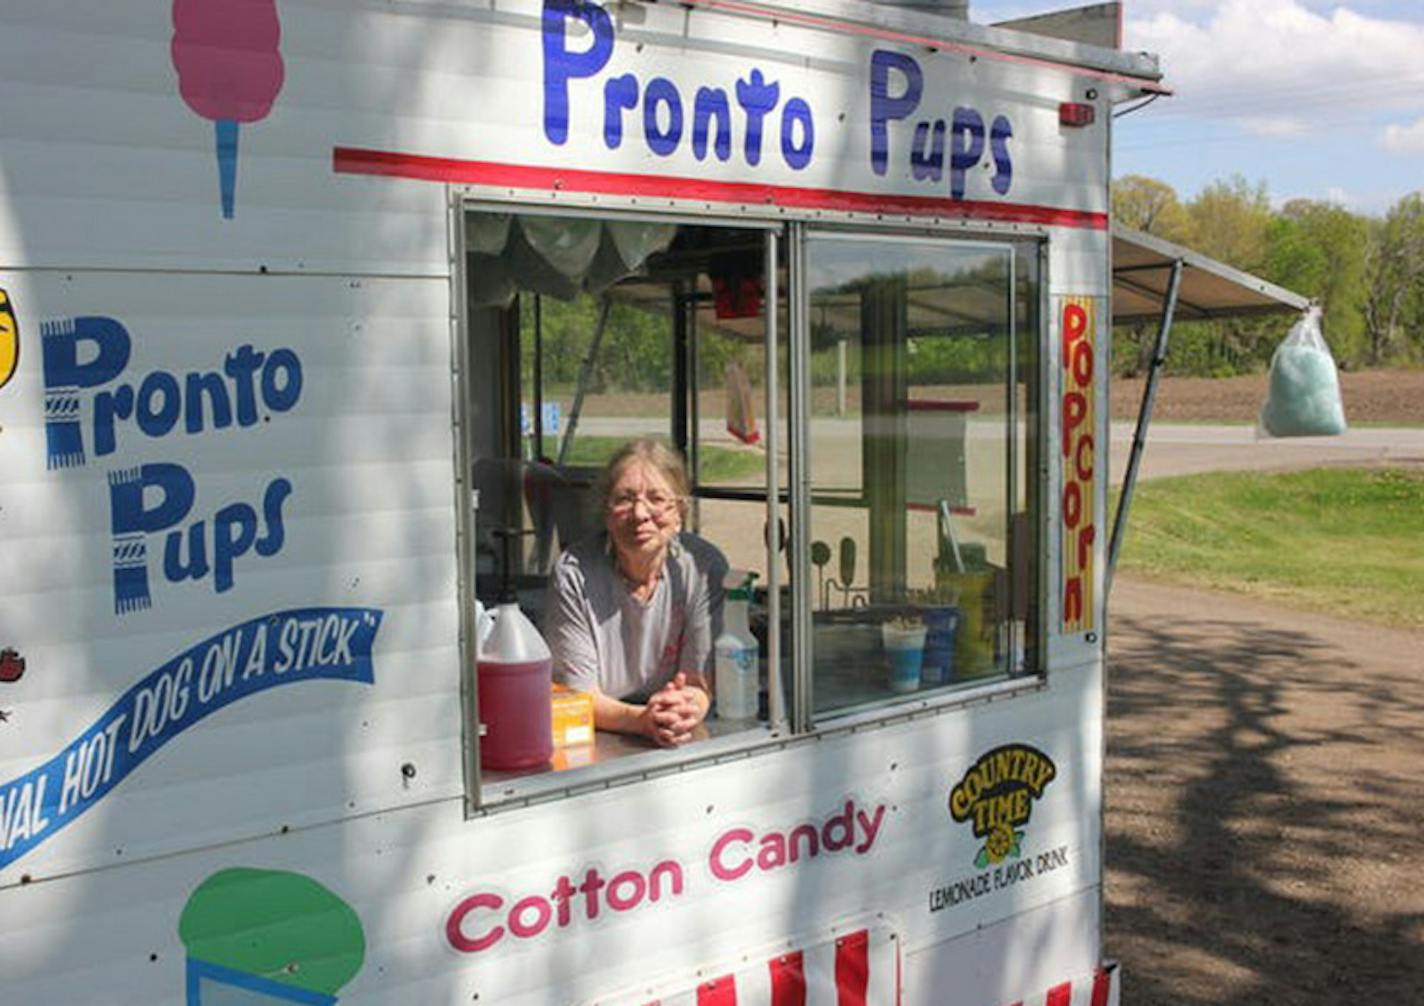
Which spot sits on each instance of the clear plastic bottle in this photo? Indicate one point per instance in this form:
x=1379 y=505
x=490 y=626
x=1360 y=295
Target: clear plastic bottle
x=738 y=656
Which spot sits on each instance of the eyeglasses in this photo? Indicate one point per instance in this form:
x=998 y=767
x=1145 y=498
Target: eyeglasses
x=657 y=504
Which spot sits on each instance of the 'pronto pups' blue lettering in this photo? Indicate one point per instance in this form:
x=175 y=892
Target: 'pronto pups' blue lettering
x=155 y=498
x=896 y=87
x=282 y=648
x=90 y=354
x=665 y=119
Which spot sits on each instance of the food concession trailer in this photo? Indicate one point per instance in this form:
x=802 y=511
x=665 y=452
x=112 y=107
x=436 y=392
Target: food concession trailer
x=317 y=319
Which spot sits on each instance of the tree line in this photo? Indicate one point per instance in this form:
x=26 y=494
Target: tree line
x=1366 y=273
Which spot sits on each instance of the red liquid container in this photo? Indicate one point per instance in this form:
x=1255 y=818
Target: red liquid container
x=515 y=689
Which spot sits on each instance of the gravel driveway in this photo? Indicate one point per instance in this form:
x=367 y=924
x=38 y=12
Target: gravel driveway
x=1265 y=787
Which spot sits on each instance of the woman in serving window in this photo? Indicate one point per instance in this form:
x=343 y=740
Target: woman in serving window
x=632 y=613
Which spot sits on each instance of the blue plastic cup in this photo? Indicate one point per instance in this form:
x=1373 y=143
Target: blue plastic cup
x=940 y=627
x=905 y=648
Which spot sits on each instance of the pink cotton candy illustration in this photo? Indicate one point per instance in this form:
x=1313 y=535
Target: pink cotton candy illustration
x=229 y=70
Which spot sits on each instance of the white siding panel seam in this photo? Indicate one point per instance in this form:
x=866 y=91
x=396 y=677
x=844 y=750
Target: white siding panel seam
x=29 y=880
x=175 y=271
x=932 y=939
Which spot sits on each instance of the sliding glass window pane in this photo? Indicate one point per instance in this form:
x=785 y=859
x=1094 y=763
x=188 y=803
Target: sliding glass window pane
x=914 y=447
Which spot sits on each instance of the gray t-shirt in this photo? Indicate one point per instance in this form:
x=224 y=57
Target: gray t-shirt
x=599 y=633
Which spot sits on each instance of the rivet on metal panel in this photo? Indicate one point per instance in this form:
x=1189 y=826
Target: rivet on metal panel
x=408 y=770
x=1092 y=637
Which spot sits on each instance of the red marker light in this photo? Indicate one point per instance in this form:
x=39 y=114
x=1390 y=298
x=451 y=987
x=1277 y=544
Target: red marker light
x=1075 y=114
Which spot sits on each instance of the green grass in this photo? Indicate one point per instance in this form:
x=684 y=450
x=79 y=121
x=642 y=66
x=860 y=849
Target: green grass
x=1346 y=541
x=719 y=464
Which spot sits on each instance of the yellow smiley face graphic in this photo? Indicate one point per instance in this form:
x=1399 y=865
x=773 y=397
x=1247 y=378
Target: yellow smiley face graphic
x=9 y=339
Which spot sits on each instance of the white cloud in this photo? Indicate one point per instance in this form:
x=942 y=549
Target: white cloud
x=1405 y=139
x=1277 y=67
x=1274 y=125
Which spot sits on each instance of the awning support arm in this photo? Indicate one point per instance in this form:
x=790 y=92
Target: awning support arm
x=1144 y=418
x=585 y=375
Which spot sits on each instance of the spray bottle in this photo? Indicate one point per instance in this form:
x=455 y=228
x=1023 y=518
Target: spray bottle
x=738 y=655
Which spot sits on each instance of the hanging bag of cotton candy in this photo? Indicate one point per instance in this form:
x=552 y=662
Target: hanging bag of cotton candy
x=1303 y=396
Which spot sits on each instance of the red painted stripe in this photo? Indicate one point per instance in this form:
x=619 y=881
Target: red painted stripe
x=353 y=161
x=718 y=992
x=1102 y=986
x=1060 y=995
x=852 y=968
x=788 y=980
x=929 y=405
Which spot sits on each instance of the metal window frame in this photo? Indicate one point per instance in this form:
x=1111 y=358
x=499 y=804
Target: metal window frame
x=891 y=707
x=550 y=785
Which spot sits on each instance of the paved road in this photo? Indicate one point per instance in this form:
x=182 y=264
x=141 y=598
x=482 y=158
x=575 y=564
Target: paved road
x=1182 y=450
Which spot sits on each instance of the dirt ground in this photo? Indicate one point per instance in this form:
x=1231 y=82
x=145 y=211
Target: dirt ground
x=1265 y=802
x=1390 y=397
x=1265 y=775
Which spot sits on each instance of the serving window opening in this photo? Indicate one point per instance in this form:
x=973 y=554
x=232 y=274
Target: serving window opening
x=907 y=556
x=587 y=334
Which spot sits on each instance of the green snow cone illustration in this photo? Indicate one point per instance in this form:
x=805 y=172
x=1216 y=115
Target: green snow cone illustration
x=267 y=937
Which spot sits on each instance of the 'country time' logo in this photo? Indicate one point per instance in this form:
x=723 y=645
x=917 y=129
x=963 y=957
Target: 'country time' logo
x=996 y=795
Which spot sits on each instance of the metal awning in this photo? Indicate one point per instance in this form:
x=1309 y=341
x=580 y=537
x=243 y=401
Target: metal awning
x=1142 y=274
x=1156 y=280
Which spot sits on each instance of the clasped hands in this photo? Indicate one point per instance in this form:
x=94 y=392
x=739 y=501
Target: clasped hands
x=674 y=711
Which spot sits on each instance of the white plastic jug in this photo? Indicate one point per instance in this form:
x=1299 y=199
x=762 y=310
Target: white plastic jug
x=515 y=688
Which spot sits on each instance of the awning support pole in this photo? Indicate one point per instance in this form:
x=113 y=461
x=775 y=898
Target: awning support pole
x=585 y=375
x=1144 y=417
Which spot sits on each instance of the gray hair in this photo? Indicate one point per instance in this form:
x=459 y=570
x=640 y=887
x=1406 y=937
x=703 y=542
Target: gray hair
x=658 y=455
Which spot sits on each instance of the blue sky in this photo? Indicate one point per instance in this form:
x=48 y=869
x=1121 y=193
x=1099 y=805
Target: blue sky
x=1317 y=98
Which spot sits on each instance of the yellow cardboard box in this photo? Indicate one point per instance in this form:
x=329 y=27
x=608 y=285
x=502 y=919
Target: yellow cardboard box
x=573 y=717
